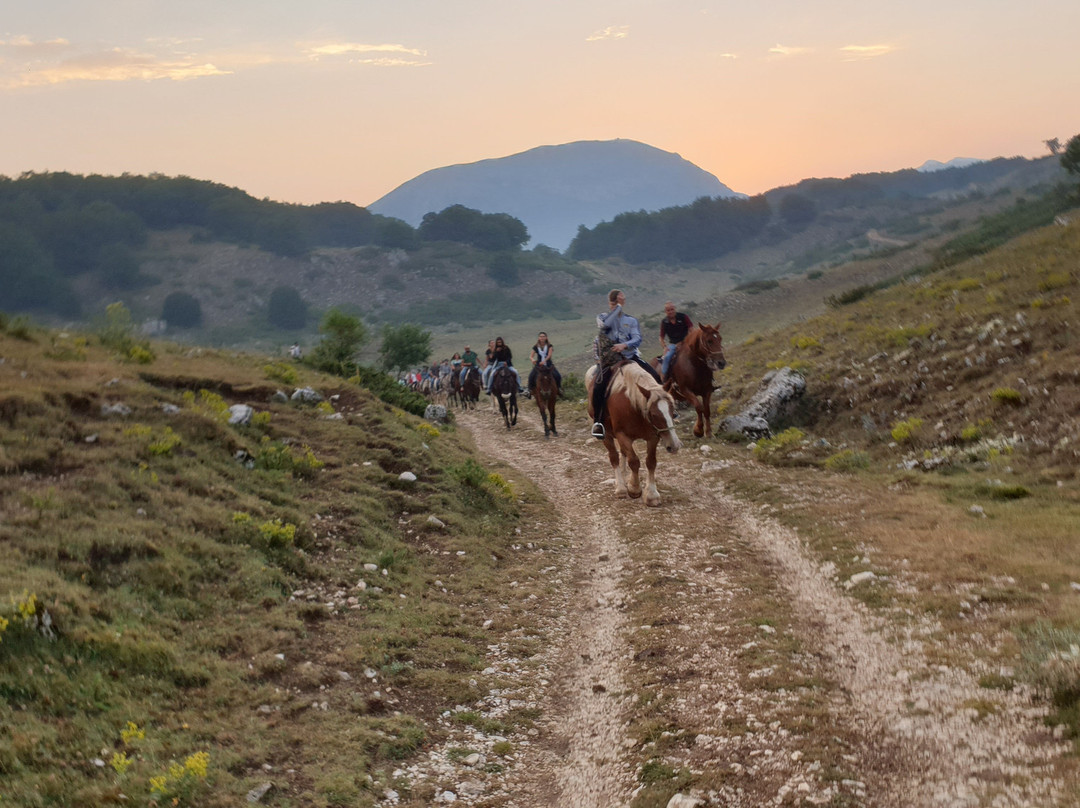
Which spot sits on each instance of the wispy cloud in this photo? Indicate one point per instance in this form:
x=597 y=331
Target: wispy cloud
x=400 y=53
x=852 y=53
x=611 y=32
x=729 y=56
x=786 y=50
x=118 y=64
x=24 y=46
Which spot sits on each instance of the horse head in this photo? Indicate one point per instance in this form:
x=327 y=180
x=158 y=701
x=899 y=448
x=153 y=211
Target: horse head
x=661 y=406
x=711 y=346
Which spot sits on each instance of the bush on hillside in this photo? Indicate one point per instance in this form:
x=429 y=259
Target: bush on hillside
x=386 y=387
x=287 y=310
x=181 y=310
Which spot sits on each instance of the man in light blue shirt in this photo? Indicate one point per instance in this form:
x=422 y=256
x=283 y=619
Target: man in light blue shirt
x=624 y=332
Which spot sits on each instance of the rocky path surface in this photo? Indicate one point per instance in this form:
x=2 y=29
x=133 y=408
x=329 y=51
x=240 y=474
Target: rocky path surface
x=698 y=655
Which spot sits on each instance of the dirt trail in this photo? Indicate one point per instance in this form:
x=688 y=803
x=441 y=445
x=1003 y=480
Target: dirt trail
x=701 y=637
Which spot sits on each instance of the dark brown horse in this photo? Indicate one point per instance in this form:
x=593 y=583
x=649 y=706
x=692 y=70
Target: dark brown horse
x=545 y=391
x=504 y=387
x=690 y=376
x=469 y=392
x=637 y=409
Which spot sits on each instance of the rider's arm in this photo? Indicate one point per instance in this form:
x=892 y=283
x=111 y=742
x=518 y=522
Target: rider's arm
x=609 y=320
x=634 y=340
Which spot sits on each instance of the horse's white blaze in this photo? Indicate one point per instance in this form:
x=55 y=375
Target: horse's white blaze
x=670 y=439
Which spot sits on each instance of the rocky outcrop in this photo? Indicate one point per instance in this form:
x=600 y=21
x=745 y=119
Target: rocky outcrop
x=779 y=390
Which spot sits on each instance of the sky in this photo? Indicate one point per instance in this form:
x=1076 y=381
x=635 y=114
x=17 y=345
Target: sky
x=311 y=101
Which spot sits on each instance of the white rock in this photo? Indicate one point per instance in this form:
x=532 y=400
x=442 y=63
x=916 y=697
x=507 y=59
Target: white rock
x=408 y=477
x=256 y=794
x=704 y=449
x=472 y=760
x=436 y=521
x=240 y=414
x=371 y=567
x=684 y=801
x=861 y=577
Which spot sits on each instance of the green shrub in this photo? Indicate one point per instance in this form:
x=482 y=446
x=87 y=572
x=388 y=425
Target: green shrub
x=280 y=372
x=779 y=446
x=906 y=431
x=1007 y=395
x=847 y=461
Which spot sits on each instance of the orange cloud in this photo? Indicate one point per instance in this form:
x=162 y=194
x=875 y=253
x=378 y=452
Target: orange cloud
x=116 y=65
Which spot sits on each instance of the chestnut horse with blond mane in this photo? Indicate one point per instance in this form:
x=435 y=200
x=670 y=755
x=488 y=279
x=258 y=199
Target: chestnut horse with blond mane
x=690 y=376
x=637 y=408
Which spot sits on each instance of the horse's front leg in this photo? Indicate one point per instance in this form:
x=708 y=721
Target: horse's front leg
x=652 y=495
x=706 y=407
x=633 y=485
x=696 y=403
x=616 y=465
x=552 y=406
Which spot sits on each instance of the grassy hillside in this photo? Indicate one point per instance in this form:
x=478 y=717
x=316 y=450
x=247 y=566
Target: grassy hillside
x=938 y=442
x=191 y=608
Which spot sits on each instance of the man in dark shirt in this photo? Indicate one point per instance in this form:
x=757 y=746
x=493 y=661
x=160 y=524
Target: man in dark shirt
x=674 y=327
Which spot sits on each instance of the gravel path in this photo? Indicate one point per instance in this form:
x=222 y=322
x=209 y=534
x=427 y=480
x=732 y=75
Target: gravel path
x=698 y=649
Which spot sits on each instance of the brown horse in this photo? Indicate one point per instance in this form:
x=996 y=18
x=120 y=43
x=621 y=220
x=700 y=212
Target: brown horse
x=545 y=391
x=690 y=375
x=637 y=409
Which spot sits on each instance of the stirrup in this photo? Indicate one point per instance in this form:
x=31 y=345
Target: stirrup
x=598 y=430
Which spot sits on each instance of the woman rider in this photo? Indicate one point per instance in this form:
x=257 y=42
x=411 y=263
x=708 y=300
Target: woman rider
x=541 y=354
x=500 y=355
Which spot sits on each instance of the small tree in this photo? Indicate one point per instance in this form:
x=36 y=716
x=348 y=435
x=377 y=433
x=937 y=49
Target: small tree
x=181 y=310
x=287 y=310
x=1070 y=158
x=343 y=336
x=404 y=346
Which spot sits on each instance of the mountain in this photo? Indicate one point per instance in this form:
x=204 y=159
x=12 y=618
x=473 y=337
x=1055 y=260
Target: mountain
x=957 y=162
x=553 y=189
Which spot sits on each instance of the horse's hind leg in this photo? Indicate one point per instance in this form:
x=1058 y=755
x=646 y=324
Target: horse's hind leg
x=553 y=430
x=617 y=462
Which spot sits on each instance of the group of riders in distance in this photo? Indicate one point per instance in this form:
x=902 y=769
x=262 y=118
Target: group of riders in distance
x=629 y=399
x=461 y=377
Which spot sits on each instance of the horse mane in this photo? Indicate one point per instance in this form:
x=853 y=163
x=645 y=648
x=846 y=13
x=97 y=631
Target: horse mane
x=629 y=380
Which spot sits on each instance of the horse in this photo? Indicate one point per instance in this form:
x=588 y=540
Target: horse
x=545 y=391
x=469 y=393
x=690 y=375
x=504 y=387
x=637 y=409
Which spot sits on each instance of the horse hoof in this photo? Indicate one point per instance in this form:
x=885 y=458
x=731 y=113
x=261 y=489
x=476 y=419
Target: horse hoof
x=633 y=494
x=653 y=503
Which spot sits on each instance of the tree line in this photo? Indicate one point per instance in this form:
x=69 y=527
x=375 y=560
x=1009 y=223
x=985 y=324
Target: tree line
x=56 y=226
x=707 y=228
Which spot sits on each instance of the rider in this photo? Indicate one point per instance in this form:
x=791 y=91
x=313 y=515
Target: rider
x=541 y=354
x=500 y=355
x=675 y=326
x=619 y=339
x=489 y=363
x=469 y=359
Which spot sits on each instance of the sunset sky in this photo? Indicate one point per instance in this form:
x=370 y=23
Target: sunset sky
x=326 y=100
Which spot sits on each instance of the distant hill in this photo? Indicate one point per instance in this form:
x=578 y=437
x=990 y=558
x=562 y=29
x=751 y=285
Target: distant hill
x=554 y=189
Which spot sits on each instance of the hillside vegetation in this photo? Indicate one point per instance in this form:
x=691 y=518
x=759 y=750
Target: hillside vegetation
x=191 y=607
